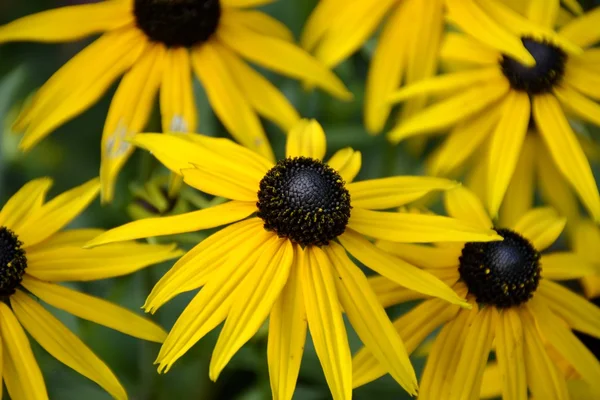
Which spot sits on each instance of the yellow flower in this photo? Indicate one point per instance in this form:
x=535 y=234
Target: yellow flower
x=286 y=261
x=156 y=45
x=34 y=257
x=516 y=305
x=493 y=96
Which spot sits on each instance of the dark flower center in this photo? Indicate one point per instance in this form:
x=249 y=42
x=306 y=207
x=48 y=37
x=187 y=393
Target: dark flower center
x=304 y=200
x=12 y=262
x=502 y=274
x=541 y=78
x=178 y=22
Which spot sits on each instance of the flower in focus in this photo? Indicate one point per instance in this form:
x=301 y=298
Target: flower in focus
x=289 y=261
x=34 y=257
x=493 y=98
x=155 y=44
x=516 y=304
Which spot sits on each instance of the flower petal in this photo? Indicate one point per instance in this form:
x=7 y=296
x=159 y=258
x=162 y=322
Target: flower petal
x=95 y=309
x=543 y=12
x=177 y=105
x=510 y=354
x=306 y=139
x=583 y=78
x=578 y=104
x=424 y=256
x=62 y=344
x=460 y=48
x=347 y=163
x=582 y=31
x=244 y=3
x=565 y=265
x=260 y=22
x=541 y=226
x=25 y=203
x=463 y=204
x=389 y=293
x=217 y=183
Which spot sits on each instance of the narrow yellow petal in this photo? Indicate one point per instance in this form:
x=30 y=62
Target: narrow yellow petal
x=58 y=212
x=578 y=104
x=306 y=139
x=95 y=309
x=461 y=48
x=399 y=271
x=325 y=322
x=510 y=354
x=228 y=101
x=287 y=333
x=244 y=3
x=25 y=203
x=68 y=23
x=347 y=163
x=177 y=105
x=280 y=56
x=415 y=228
x=29 y=381
x=385 y=193
x=573 y=6
x=62 y=344
x=541 y=226
x=260 y=22
x=565 y=265
x=582 y=31
x=319 y=21
x=543 y=12
x=505 y=147
x=389 y=293
x=423 y=256
x=566 y=151
x=491 y=382
x=69 y=237
x=463 y=204
x=253 y=300
x=369 y=320
x=583 y=78
x=193 y=221
x=129 y=112
x=217 y=183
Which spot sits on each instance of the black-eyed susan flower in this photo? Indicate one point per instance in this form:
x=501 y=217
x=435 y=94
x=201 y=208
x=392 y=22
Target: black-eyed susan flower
x=35 y=256
x=155 y=45
x=288 y=260
x=519 y=312
x=407 y=49
x=492 y=98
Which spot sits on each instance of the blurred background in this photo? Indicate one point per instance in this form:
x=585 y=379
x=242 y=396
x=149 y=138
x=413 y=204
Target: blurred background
x=71 y=156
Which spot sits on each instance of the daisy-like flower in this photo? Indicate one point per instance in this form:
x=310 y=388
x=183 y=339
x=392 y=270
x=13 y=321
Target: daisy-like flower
x=407 y=49
x=288 y=260
x=156 y=44
x=516 y=304
x=496 y=97
x=35 y=256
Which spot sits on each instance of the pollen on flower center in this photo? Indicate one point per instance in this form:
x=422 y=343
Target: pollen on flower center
x=304 y=200
x=504 y=273
x=541 y=78
x=12 y=262
x=178 y=22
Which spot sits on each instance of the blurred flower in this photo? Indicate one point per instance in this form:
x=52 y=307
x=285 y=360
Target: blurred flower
x=516 y=305
x=496 y=97
x=34 y=257
x=155 y=45
x=284 y=262
x=152 y=199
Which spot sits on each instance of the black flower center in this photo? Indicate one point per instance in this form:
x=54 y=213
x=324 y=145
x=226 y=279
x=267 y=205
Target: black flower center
x=178 y=22
x=503 y=274
x=12 y=262
x=541 y=78
x=304 y=200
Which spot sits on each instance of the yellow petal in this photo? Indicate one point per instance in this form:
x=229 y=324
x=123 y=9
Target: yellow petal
x=68 y=23
x=261 y=94
x=566 y=151
x=389 y=293
x=193 y=221
x=461 y=48
x=260 y=22
x=578 y=104
x=573 y=6
x=253 y=300
x=397 y=270
x=177 y=105
x=505 y=147
x=463 y=204
x=583 y=78
x=17 y=353
x=25 y=203
x=217 y=183
x=423 y=256
x=319 y=21
x=280 y=56
x=244 y=3
x=491 y=383
x=306 y=139
x=541 y=226
x=325 y=322
x=543 y=12
x=95 y=309
x=565 y=265
x=582 y=31
x=385 y=193
x=510 y=354
x=63 y=345
x=228 y=101
x=415 y=228
x=347 y=163
x=128 y=113
x=287 y=333
x=58 y=212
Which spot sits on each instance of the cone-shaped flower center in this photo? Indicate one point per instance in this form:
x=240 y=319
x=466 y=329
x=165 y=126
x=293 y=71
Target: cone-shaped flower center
x=502 y=274
x=178 y=22
x=304 y=200
x=12 y=262
x=541 y=78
